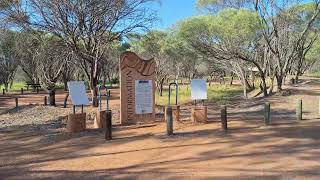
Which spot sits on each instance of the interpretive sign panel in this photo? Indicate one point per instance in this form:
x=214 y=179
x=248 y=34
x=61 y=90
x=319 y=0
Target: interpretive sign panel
x=77 y=91
x=144 y=96
x=199 y=89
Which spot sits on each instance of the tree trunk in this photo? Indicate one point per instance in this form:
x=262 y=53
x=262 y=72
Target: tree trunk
x=279 y=82
x=161 y=86
x=297 y=78
x=6 y=86
x=94 y=93
x=65 y=100
x=65 y=82
x=245 y=93
x=231 y=81
x=52 y=97
x=271 y=86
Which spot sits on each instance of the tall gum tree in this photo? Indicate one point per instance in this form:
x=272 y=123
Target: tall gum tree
x=277 y=28
x=229 y=39
x=88 y=27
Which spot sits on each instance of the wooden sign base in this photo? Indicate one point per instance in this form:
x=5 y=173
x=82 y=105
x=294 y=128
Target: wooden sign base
x=199 y=114
x=100 y=120
x=76 y=122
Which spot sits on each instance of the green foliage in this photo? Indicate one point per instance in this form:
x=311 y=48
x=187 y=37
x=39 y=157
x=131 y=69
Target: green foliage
x=216 y=93
x=16 y=86
x=236 y=29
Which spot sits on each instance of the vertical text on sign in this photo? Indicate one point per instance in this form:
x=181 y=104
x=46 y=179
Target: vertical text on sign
x=130 y=101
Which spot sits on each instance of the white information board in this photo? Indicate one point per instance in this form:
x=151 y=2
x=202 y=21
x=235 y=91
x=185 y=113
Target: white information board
x=143 y=96
x=77 y=92
x=199 y=89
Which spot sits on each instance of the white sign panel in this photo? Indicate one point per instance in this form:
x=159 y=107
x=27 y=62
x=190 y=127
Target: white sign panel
x=77 y=92
x=143 y=96
x=199 y=89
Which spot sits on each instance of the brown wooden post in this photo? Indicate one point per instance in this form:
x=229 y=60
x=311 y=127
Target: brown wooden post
x=267 y=118
x=299 y=110
x=108 y=125
x=17 y=102
x=224 y=120
x=3 y=91
x=45 y=101
x=22 y=91
x=169 y=119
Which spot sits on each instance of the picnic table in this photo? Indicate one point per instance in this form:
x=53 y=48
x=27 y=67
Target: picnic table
x=34 y=85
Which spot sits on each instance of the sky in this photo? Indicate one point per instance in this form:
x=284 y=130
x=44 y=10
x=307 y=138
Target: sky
x=172 y=11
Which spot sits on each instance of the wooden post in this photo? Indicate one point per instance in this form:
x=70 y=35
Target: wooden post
x=45 y=101
x=224 y=119
x=299 y=110
x=109 y=125
x=3 y=91
x=169 y=118
x=37 y=90
x=17 y=102
x=267 y=118
x=22 y=91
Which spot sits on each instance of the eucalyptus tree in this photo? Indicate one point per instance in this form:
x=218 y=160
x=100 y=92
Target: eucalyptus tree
x=88 y=27
x=52 y=58
x=151 y=46
x=229 y=39
x=8 y=57
x=28 y=47
x=277 y=27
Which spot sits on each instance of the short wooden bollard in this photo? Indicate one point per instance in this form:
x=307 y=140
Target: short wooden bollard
x=22 y=91
x=45 y=100
x=37 y=90
x=17 y=102
x=299 y=110
x=3 y=91
x=267 y=118
x=169 y=119
x=224 y=119
x=109 y=125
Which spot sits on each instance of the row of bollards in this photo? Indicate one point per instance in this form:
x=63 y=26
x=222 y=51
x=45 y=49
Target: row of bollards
x=224 y=118
x=169 y=118
x=267 y=112
x=21 y=91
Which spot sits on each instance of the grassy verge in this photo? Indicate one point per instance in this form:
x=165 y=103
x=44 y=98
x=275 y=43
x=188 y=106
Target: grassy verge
x=16 y=86
x=313 y=74
x=216 y=93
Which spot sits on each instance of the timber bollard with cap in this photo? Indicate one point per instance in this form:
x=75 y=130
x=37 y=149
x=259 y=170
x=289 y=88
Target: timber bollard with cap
x=199 y=91
x=299 y=110
x=169 y=119
x=176 y=107
x=45 y=101
x=267 y=117
x=17 y=102
x=108 y=134
x=224 y=118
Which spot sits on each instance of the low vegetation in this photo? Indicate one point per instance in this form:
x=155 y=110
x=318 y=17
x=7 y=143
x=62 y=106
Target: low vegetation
x=216 y=93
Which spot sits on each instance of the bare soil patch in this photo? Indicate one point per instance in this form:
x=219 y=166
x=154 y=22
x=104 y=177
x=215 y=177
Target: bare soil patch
x=249 y=150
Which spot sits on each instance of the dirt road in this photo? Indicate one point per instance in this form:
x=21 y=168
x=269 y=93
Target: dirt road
x=249 y=150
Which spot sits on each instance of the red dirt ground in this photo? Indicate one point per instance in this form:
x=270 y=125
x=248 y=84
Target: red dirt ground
x=249 y=150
